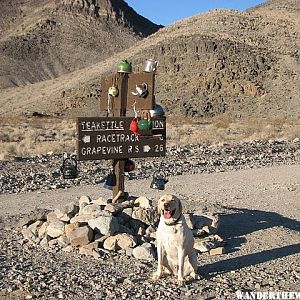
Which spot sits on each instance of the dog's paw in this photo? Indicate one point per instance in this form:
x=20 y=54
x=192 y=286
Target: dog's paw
x=180 y=281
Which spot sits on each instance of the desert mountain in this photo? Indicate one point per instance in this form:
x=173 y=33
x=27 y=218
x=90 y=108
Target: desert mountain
x=42 y=39
x=222 y=61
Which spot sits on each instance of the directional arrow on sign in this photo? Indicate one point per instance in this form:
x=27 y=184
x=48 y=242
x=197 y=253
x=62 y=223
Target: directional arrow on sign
x=146 y=148
x=86 y=139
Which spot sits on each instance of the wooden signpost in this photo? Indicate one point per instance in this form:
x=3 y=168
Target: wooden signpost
x=112 y=137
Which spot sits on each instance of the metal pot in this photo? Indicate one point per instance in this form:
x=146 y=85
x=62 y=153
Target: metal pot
x=134 y=126
x=124 y=66
x=150 y=65
x=159 y=180
x=69 y=168
x=129 y=165
x=113 y=91
x=157 y=111
x=110 y=181
x=144 y=124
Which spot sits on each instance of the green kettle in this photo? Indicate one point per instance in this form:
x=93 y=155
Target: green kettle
x=124 y=66
x=145 y=121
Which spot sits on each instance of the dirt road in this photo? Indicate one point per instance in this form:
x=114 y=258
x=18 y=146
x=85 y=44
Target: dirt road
x=260 y=220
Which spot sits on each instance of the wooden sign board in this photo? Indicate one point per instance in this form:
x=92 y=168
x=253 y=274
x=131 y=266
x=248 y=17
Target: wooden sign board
x=134 y=80
x=106 y=83
x=111 y=138
x=140 y=79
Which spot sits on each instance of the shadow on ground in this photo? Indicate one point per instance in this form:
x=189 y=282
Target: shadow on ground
x=235 y=225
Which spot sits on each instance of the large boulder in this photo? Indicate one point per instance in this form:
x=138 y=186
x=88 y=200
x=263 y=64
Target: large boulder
x=208 y=243
x=42 y=229
x=119 y=241
x=90 y=209
x=83 y=219
x=81 y=236
x=208 y=223
x=55 y=229
x=90 y=249
x=148 y=216
x=144 y=251
x=106 y=225
x=69 y=228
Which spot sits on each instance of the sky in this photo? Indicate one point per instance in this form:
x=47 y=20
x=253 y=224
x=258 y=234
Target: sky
x=166 y=12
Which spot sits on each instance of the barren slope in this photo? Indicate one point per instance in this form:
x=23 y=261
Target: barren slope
x=44 y=39
x=240 y=63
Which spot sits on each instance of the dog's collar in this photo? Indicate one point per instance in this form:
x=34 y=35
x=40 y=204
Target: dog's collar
x=175 y=222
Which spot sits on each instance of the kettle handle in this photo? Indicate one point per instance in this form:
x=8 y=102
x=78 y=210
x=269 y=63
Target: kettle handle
x=159 y=172
x=70 y=159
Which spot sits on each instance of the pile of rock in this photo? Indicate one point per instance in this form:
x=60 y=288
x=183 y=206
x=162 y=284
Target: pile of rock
x=97 y=228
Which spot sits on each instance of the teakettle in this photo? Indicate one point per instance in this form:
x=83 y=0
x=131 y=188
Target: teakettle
x=141 y=90
x=145 y=121
x=157 y=111
x=150 y=65
x=110 y=181
x=159 y=180
x=113 y=91
x=134 y=126
x=69 y=168
x=124 y=66
x=129 y=165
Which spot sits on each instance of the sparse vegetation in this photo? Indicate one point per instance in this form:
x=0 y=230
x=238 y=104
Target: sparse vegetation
x=28 y=137
x=225 y=130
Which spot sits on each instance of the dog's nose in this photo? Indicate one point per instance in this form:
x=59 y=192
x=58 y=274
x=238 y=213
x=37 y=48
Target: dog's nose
x=166 y=205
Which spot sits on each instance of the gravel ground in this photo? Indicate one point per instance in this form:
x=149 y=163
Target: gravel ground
x=40 y=172
x=259 y=208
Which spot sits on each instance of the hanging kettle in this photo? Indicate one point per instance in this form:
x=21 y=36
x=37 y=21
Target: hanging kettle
x=110 y=181
x=124 y=66
x=141 y=90
x=159 y=180
x=113 y=91
x=145 y=121
x=129 y=165
x=134 y=126
x=157 y=111
x=69 y=168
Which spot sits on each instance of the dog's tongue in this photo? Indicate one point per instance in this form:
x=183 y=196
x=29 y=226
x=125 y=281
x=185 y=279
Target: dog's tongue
x=167 y=214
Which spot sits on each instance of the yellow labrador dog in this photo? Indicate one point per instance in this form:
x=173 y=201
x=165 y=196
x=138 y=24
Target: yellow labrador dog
x=175 y=241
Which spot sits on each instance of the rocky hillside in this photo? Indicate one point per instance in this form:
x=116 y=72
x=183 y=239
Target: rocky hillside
x=222 y=61
x=44 y=39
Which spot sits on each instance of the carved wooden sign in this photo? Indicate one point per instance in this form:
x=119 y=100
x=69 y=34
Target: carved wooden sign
x=111 y=138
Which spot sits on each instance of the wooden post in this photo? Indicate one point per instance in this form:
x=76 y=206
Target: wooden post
x=118 y=164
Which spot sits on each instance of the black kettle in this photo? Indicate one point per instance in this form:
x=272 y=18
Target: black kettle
x=69 y=168
x=159 y=180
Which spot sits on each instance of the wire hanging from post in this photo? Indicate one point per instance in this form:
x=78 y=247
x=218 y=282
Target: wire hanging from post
x=135 y=111
x=109 y=104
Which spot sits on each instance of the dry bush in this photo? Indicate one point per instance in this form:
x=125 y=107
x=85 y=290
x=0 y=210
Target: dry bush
x=223 y=129
x=34 y=136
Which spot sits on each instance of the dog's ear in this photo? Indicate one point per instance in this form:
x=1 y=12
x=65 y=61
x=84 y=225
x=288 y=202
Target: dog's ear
x=179 y=207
